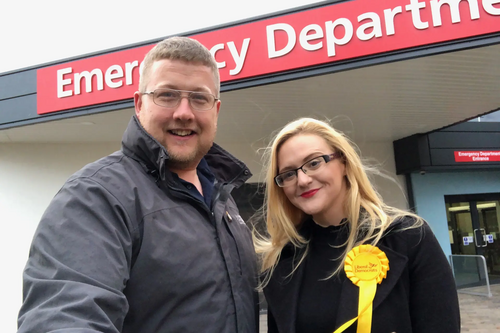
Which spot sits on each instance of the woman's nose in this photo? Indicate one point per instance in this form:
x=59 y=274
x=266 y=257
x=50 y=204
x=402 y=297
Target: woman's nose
x=302 y=177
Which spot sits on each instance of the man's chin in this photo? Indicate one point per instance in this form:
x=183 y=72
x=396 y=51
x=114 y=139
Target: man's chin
x=183 y=161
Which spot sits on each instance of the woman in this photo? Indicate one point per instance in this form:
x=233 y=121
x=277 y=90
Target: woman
x=320 y=205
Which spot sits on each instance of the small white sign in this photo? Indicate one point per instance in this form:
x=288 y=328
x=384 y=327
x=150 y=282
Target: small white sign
x=488 y=238
x=467 y=240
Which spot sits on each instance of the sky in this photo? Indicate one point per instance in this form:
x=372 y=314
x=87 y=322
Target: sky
x=35 y=32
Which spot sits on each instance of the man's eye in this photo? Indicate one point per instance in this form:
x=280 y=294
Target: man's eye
x=167 y=94
x=200 y=98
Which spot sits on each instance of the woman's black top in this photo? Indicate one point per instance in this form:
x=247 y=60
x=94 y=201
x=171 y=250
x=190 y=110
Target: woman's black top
x=318 y=300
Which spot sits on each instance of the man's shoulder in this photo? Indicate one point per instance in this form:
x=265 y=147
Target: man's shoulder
x=108 y=164
x=111 y=172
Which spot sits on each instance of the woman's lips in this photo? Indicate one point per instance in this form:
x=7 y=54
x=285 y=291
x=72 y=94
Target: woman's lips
x=309 y=194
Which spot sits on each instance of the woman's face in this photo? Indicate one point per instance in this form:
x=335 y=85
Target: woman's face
x=322 y=193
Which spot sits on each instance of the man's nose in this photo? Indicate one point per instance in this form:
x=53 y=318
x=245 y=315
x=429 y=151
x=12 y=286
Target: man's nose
x=183 y=110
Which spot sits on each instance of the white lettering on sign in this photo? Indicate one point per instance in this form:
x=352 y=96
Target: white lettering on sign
x=332 y=40
x=414 y=7
x=238 y=57
x=114 y=72
x=327 y=36
x=88 y=80
x=389 y=15
x=488 y=7
x=271 y=44
x=373 y=24
x=478 y=153
x=129 y=67
x=305 y=37
x=61 y=82
x=370 y=26
x=214 y=51
x=477 y=156
x=112 y=77
x=489 y=153
x=454 y=9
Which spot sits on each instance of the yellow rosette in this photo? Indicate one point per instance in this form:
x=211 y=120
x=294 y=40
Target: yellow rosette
x=366 y=266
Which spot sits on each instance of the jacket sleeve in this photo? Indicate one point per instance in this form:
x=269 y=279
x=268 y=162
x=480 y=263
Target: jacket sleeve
x=433 y=295
x=78 y=264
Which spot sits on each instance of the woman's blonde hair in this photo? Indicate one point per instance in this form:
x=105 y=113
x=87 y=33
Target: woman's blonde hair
x=367 y=215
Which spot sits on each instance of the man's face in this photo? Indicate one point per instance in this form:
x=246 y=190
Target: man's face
x=186 y=134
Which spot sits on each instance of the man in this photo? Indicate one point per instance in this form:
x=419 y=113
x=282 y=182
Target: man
x=148 y=239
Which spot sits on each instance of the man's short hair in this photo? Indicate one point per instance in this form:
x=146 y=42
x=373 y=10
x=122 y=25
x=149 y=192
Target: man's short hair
x=179 y=48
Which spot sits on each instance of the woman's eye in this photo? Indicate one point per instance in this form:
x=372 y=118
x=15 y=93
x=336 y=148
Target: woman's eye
x=314 y=163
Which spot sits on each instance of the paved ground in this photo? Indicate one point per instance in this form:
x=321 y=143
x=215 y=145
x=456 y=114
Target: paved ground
x=479 y=314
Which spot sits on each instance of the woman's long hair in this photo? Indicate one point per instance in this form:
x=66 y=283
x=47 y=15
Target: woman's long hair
x=366 y=213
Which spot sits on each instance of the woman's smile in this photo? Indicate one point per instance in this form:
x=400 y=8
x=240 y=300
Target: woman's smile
x=309 y=194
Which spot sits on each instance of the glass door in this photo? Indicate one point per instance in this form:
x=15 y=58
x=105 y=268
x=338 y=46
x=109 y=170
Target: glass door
x=474 y=226
x=489 y=226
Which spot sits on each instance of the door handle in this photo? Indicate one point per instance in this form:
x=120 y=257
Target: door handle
x=483 y=233
x=475 y=238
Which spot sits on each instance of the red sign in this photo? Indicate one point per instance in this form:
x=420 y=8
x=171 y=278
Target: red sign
x=322 y=35
x=477 y=156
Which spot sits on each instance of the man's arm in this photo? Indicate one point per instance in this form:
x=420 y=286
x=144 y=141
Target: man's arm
x=79 y=264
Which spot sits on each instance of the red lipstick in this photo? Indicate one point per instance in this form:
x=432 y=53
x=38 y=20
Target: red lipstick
x=309 y=194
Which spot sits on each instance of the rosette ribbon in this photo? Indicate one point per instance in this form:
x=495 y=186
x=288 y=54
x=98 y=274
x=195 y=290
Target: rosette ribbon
x=366 y=266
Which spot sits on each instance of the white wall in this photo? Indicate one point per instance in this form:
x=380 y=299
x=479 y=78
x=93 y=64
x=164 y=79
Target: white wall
x=393 y=190
x=31 y=174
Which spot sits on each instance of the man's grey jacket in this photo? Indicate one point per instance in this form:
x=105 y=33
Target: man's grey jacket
x=124 y=247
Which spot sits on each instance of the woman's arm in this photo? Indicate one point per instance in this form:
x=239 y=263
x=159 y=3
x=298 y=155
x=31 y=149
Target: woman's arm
x=433 y=295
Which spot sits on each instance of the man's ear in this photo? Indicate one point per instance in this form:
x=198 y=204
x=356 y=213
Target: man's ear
x=138 y=104
x=218 y=106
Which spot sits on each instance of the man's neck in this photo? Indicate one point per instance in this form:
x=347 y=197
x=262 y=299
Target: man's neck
x=191 y=176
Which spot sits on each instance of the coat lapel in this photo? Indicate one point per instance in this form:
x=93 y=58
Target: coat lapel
x=348 y=301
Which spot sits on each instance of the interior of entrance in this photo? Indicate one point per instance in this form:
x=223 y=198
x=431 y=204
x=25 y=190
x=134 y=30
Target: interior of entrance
x=474 y=226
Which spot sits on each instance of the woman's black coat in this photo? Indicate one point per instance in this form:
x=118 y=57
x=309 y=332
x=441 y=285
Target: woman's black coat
x=418 y=295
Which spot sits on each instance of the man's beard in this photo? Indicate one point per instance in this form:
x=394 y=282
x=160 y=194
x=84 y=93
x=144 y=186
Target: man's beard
x=191 y=160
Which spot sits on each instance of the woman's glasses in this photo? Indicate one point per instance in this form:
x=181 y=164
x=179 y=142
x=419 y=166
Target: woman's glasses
x=312 y=166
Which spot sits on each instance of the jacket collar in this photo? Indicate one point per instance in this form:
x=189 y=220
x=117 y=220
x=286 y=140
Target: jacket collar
x=139 y=145
x=284 y=289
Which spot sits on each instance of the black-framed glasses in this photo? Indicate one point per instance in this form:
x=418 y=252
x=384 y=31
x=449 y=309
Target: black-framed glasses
x=312 y=166
x=171 y=98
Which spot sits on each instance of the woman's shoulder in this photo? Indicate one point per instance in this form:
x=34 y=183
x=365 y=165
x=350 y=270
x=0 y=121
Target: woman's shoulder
x=408 y=231
x=406 y=222
x=292 y=251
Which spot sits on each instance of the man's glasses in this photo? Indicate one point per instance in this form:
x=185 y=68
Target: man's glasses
x=312 y=166
x=171 y=98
